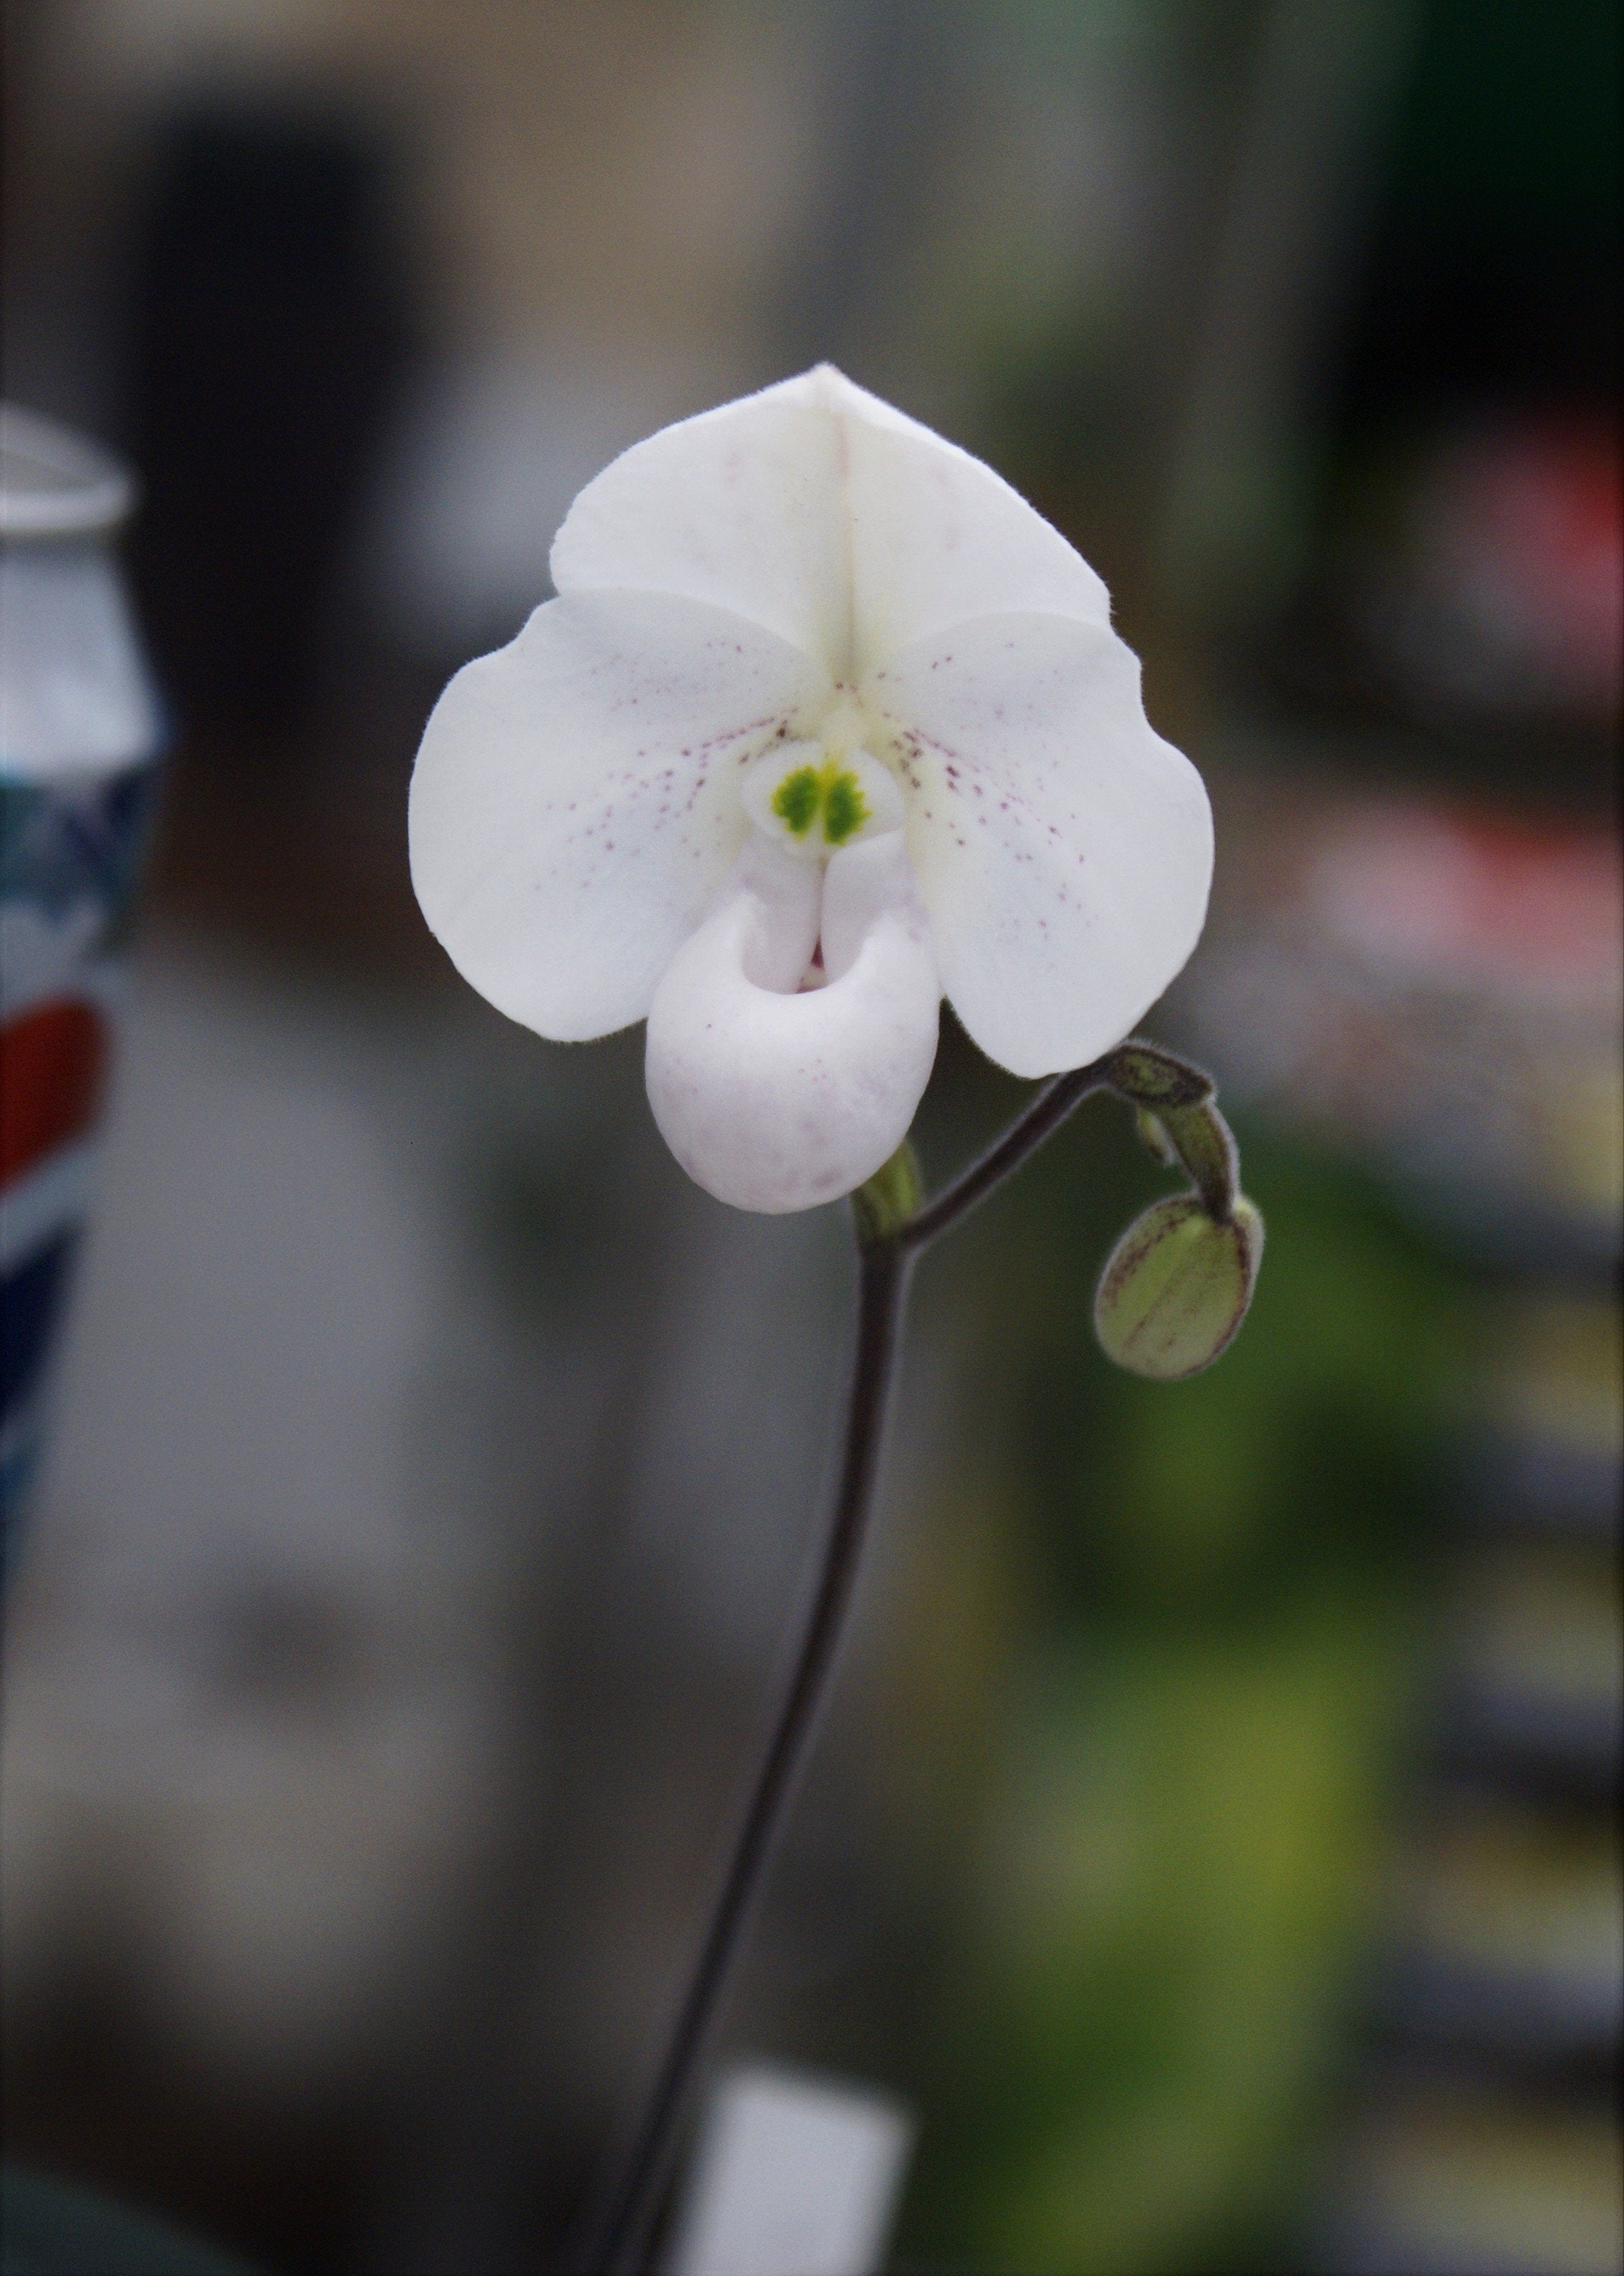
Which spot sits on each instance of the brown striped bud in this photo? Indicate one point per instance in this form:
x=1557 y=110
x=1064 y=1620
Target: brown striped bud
x=1176 y=1287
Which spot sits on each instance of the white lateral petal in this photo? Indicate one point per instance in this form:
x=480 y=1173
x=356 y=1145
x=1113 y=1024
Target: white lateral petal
x=575 y=804
x=1064 y=851
x=825 y=515
x=775 y=1101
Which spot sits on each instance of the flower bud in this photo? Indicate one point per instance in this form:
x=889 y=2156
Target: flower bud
x=1177 y=1285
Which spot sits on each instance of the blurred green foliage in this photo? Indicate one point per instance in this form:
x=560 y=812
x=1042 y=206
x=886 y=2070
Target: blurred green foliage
x=1140 y=2007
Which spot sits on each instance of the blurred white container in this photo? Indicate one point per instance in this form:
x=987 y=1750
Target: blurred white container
x=80 y=735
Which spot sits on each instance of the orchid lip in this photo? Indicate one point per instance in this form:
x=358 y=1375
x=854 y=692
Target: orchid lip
x=775 y=1094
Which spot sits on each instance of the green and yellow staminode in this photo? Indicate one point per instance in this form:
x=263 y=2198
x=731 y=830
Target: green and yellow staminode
x=831 y=793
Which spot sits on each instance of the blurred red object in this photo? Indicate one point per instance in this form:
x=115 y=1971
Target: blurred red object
x=52 y=1059
x=1440 y=985
x=1465 y=899
x=1510 y=594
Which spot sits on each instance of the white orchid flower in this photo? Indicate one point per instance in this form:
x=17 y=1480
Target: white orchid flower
x=825 y=723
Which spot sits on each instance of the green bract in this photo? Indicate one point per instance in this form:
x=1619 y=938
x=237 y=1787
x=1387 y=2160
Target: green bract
x=885 y=1202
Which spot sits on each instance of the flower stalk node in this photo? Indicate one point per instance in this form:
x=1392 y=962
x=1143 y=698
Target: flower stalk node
x=1148 y=1076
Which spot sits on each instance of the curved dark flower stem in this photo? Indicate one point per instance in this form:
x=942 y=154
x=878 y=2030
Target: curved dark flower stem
x=1025 y=1134
x=883 y=1277
x=884 y=1267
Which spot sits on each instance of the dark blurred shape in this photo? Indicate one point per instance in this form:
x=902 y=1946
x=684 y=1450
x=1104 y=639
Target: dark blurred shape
x=901 y=72
x=1493 y=273
x=283 y=1649
x=1460 y=579
x=47 y=2230
x=266 y=334
x=34 y=1298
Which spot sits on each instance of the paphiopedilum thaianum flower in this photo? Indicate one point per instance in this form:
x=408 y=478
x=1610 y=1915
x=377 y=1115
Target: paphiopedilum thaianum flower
x=825 y=723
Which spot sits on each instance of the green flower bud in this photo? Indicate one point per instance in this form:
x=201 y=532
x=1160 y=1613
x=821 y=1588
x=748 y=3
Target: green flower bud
x=1176 y=1286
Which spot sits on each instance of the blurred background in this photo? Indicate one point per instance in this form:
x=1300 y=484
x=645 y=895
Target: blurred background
x=1212 y=1839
